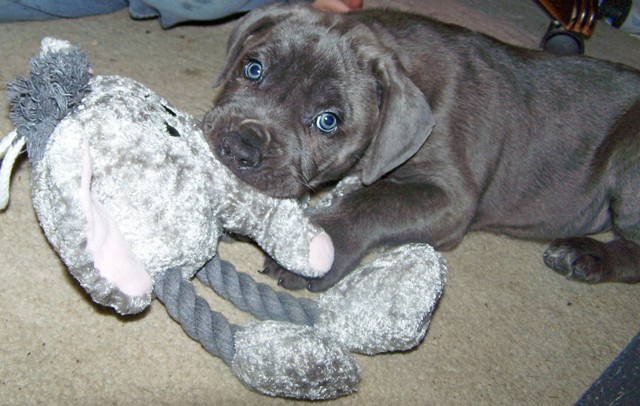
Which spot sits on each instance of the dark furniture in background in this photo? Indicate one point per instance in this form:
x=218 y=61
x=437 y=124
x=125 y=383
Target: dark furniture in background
x=574 y=21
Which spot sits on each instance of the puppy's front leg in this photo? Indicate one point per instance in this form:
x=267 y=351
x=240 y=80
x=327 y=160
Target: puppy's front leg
x=385 y=213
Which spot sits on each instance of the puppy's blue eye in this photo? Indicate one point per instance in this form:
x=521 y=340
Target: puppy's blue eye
x=326 y=122
x=253 y=70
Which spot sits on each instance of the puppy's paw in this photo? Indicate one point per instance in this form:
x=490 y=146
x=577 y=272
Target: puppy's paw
x=324 y=283
x=581 y=259
x=292 y=281
x=286 y=279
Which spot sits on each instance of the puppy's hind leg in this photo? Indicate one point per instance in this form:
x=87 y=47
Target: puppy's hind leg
x=586 y=259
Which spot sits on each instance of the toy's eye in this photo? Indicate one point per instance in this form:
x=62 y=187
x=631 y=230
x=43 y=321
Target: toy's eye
x=171 y=130
x=326 y=122
x=168 y=110
x=253 y=70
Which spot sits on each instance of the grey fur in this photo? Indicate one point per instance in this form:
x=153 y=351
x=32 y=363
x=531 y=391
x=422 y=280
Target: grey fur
x=526 y=143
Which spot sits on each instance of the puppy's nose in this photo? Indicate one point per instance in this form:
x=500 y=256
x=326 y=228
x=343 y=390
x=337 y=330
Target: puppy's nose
x=242 y=148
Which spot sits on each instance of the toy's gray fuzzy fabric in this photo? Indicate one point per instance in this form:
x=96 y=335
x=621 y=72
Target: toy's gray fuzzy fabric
x=387 y=304
x=283 y=359
x=303 y=349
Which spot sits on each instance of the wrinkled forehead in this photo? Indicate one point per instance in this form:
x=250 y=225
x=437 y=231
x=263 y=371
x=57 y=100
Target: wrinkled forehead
x=309 y=66
x=295 y=46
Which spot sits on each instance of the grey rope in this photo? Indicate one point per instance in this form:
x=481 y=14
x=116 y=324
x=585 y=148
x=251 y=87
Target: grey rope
x=212 y=329
x=258 y=299
x=209 y=328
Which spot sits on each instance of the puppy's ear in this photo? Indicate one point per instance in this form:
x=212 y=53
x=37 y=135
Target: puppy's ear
x=252 y=25
x=404 y=123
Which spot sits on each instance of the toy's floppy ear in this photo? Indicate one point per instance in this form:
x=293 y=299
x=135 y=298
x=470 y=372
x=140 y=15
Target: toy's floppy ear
x=112 y=255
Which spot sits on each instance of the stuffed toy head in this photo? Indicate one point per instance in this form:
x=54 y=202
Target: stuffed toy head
x=125 y=186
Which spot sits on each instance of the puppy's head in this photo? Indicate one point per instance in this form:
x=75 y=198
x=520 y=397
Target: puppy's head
x=309 y=97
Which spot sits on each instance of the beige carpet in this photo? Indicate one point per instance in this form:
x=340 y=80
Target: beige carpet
x=507 y=330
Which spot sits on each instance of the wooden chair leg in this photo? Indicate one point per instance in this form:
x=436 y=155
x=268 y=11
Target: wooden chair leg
x=559 y=40
x=573 y=21
x=576 y=16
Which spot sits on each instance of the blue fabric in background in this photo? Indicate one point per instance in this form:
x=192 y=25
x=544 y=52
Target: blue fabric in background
x=173 y=12
x=20 y=10
x=170 y=12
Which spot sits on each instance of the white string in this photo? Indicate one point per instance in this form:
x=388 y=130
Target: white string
x=10 y=147
x=6 y=142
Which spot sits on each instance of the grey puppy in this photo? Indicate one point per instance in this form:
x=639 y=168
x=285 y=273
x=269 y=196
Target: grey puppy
x=526 y=143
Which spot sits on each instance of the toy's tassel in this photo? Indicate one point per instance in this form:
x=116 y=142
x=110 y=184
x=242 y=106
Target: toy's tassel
x=10 y=147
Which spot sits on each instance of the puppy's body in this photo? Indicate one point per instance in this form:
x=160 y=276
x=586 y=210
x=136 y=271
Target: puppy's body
x=525 y=143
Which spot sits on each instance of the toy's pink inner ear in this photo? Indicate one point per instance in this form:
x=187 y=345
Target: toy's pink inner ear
x=112 y=255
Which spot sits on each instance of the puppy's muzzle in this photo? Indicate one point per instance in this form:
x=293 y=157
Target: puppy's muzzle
x=241 y=149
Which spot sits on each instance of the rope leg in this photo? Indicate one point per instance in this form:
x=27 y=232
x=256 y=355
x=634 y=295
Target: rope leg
x=209 y=328
x=258 y=299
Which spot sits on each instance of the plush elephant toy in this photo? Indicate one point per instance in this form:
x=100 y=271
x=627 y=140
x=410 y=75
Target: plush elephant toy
x=134 y=202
